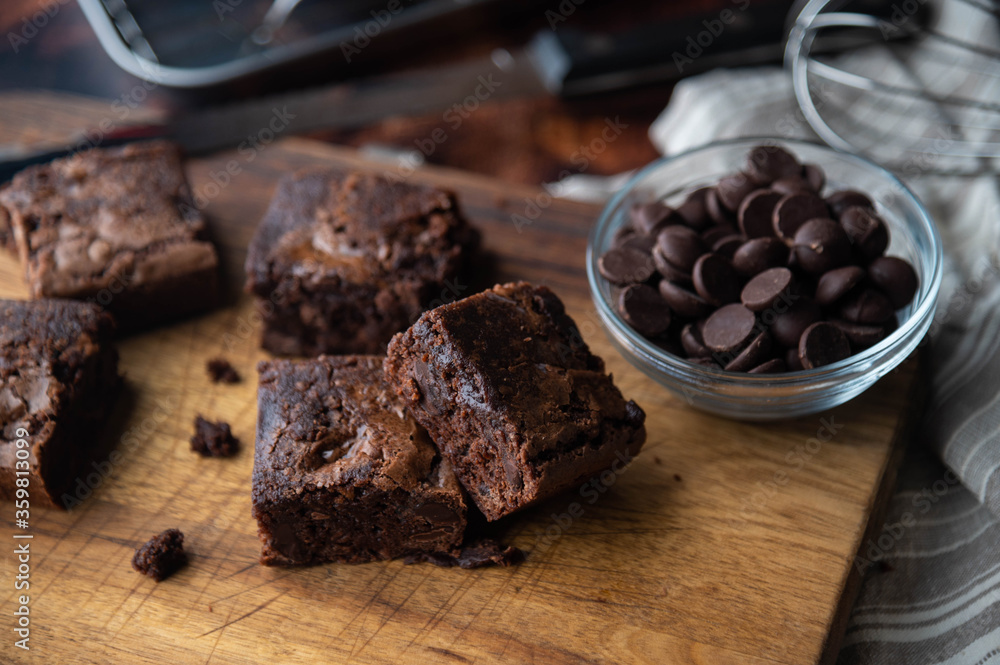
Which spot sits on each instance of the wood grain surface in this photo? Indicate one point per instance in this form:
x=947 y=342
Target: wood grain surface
x=723 y=542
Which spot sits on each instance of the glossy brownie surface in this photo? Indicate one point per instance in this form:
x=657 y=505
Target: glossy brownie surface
x=342 y=261
x=116 y=226
x=513 y=396
x=342 y=472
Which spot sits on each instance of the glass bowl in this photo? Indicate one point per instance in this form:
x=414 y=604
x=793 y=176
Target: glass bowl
x=762 y=397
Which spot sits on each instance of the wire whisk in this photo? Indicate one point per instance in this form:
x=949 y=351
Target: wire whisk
x=921 y=95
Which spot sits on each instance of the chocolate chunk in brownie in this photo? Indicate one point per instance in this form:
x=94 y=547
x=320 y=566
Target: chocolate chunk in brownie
x=213 y=439
x=485 y=552
x=513 y=397
x=58 y=382
x=114 y=226
x=161 y=556
x=342 y=472
x=220 y=371
x=342 y=261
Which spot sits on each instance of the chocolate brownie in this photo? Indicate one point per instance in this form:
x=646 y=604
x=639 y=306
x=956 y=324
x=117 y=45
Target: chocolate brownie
x=220 y=371
x=342 y=261
x=58 y=381
x=342 y=472
x=161 y=556
x=213 y=439
x=512 y=396
x=117 y=227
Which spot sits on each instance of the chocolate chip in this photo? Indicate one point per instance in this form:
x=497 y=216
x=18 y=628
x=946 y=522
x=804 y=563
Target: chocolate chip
x=668 y=270
x=756 y=212
x=649 y=218
x=822 y=344
x=729 y=328
x=759 y=254
x=644 y=309
x=713 y=234
x=772 y=366
x=836 y=283
x=814 y=176
x=706 y=362
x=732 y=189
x=691 y=340
x=682 y=301
x=761 y=292
x=756 y=352
x=821 y=245
x=644 y=244
x=861 y=336
x=716 y=211
x=767 y=163
x=727 y=245
x=624 y=265
x=793 y=185
x=869 y=306
x=894 y=277
x=866 y=231
x=680 y=246
x=787 y=326
x=693 y=210
x=847 y=198
x=792 y=360
x=794 y=210
x=716 y=280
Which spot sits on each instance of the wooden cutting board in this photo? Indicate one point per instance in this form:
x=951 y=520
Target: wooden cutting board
x=723 y=542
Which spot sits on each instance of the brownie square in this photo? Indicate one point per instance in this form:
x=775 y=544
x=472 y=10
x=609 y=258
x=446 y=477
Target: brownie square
x=58 y=381
x=117 y=227
x=342 y=472
x=342 y=261
x=513 y=397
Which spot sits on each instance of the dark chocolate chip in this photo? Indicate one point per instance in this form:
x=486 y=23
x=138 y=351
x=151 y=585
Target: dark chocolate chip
x=847 y=198
x=732 y=189
x=814 y=176
x=767 y=163
x=693 y=210
x=685 y=303
x=821 y=245
x=772 y=366
x=716 y=280
x=896 y=279
x=759 y=254
x=714 y=234
x=691 y=340
x=680 y=246
x=794 y=210
x=787 y=327
x=644 y=309
x=649 y=218
x=716 y=211
x=756 y=212
x=729 y=328
x=625 y=265
x=822 y=344
x=764 y=290
x=793 y=185
x=866 y=231
x=836 y=283
x=756 y=352
x=668 y=270
x=637 y=241
x=705 y=362
x=727 y=245
x=792 y=360
x=868 y=306
x=861 y=336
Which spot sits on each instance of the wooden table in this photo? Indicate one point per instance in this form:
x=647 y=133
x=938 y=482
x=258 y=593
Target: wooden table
x=723 y=542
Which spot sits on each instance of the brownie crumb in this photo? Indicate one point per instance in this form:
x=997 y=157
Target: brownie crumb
x=677 y=477
x=657 y=460
x=213 y=439
x=161 y=556
x=485 y=552
x=221 y=371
